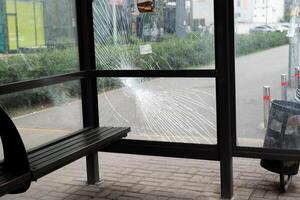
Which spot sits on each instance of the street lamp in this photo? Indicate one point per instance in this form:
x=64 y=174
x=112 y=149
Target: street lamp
x=267 y=5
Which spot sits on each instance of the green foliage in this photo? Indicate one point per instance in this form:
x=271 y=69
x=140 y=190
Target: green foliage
x=20 y=67
x=179 y=53
x=172 y=52
x=251 y=43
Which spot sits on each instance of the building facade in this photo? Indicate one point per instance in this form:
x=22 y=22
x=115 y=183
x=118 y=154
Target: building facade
x=259 y=11
x=244 y=11
x=202 y=12
x=268 y=11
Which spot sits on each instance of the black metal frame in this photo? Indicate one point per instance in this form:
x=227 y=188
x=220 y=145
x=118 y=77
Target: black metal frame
x=224 y=75
x=155 y=73
x=89 y=95
x=225 y=57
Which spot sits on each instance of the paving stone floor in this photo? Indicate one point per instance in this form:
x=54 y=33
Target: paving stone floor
x=133 y=177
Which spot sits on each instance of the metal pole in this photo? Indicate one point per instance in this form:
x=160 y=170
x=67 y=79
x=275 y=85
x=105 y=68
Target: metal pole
x=114 y=19
x=34 y=19
x=225 y=91
x=293 y=43
x=267 y=5
x=16 y=25
x=5 y=24
x=297 y=76
x=89 y=95
x=293 y=58
x=180 y=18
x=267 y=104
x=284 y=85
x=191 y=15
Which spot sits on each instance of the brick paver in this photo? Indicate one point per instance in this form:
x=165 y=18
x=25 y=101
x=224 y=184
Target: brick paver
x=137 y=177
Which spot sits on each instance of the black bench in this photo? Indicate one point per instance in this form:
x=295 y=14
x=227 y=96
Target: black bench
x=19 y=167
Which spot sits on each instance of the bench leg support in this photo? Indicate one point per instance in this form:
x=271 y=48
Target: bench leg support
x=92 y=168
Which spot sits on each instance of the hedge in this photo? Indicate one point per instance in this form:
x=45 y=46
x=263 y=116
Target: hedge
x=171 y=52
x=246 y=44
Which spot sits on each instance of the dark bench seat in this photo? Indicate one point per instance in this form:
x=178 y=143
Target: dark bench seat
x=19 y=167
x=66 y=150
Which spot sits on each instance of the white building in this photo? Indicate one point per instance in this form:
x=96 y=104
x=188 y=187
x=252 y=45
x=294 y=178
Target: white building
x=244 y=11
x=259 y=11
x=268 y=11
x=203 y=12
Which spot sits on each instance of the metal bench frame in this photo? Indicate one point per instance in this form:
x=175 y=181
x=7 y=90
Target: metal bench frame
x=15 y=170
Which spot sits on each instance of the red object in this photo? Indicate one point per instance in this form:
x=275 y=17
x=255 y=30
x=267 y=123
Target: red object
x=267 y=98
x=285 y=84
x=118 y=2
x=297 y=75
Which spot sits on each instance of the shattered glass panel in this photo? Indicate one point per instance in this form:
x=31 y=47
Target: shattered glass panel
x=176 y=35
x=160 y=109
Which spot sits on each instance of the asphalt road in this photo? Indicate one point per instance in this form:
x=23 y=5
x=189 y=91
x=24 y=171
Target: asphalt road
x=181 y=110
x=252 y=73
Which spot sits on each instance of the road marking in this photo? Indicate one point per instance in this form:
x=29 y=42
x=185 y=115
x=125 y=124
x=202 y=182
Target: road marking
x=45 y=129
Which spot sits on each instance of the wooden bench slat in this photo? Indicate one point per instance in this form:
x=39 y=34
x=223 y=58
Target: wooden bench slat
x=97 y=136
x=44 y=152
x=63 y=140
x=68 y=155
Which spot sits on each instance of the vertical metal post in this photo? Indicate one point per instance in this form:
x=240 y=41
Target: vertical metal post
x=284 y=85
x=267 y=7
x=84 y=12
x=180 y=18
x=225 y=90
x=34 y=19
x=17 y=26
x=297 y=77
x=293 y=43
x=267 y=104
x=6 y=36
x=92 y=168
x=114 y=21
x=192 y=15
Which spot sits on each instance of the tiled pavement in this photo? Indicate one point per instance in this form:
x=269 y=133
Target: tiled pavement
x=145 y=177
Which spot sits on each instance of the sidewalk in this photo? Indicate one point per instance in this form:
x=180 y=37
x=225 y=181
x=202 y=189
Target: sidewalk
x=146 y=177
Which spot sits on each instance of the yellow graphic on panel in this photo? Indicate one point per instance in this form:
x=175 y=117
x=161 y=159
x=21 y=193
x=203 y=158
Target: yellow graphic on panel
x=10 y=7
x=12 y=32
x=26 y=25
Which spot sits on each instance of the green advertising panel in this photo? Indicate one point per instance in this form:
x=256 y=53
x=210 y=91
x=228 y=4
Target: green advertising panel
x=2 y=26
